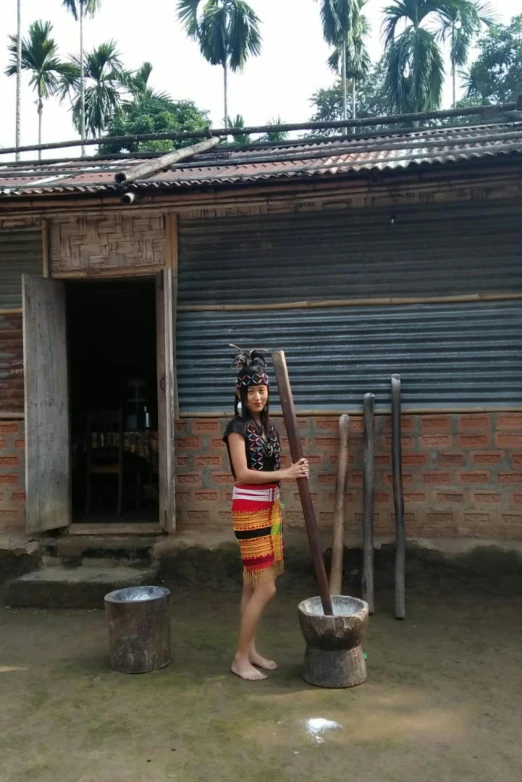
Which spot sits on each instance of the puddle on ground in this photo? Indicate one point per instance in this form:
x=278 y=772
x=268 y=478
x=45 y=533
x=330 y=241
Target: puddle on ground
x=317 y=727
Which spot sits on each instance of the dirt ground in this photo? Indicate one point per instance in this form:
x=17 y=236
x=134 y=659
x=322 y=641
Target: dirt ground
x=442 y=700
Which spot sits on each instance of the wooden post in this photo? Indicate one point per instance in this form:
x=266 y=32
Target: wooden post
x=368 y=479
x=296 y=450
x=400 y=538
x=336 y=570
x=150 y=167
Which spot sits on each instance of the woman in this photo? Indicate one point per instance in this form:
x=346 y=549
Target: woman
x=254 y=451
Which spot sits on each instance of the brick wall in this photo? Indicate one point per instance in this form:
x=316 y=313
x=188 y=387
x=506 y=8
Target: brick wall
x=462 y=474
x=12 y=477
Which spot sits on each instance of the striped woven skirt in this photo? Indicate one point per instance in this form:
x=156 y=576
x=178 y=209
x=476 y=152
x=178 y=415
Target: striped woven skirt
x=258 y=527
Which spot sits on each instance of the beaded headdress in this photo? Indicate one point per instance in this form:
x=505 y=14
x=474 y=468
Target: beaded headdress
x=250 y=366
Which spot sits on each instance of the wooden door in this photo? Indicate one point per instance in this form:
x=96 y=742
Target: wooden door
x=47 y=426
x=165 y=315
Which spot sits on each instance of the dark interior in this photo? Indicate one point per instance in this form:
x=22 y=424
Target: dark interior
x=112 y=360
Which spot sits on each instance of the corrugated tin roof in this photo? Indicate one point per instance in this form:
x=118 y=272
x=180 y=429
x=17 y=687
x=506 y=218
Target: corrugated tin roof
x=302 y=159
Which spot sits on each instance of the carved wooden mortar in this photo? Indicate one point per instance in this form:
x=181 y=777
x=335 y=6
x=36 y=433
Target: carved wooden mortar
x=333 y=656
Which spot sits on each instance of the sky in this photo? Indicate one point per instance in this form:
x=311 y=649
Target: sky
x=279 y=83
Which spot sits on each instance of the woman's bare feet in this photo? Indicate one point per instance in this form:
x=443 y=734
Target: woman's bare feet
x=243 y=668
x=263 y=662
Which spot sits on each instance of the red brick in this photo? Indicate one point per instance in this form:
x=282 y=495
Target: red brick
x=472 y=517
x=326 y=443
x=221 y=478
x=381 y=496
x=409 y=518
x=440 y=518
x=198 y=515
x=9 y=479
x=9 y=514
x=293 y=515
x=435 y=424
x=358 y=517
x=326 y=478
x=436 y=478
x=20 y=444
x=326 y=516
x=224 y=515
x=9 y=461
x=206 y=496
x=18 y=496
x=510 y=477
x=450 y=459
x=189 y=479
x=356 y=478
x=314 y=496
x=516 y=498
x=516 y=459
x=508 y=440
x=407 y=478
x=327 y=424
x=216 y=444
x=407 y=423
x=180 y=426
x=349 y=498
x=406 y=442
x=207 y=460
x=206 y=427
x=415 y=496
x=486 y=497
x=182 y=461
x=382 y=460
x=449 y=496
x=414 y=459
x=474 y=423
x=356 y=424
x=512 y=518
x=473 y=476
x=190 y=443
x=182 y=496
x=473 y=440
x=509 y=421
x=314 y=459
x=486 y=457
x=9 y=427
x=3 y=443
x=435 y=441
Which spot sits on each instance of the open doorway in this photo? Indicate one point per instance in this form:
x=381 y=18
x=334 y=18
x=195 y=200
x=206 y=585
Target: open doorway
x=112 y=342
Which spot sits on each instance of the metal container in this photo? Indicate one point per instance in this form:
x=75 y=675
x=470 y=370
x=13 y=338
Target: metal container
x=139 y=628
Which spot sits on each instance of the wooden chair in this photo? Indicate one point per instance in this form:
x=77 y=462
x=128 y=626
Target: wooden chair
x=106 y=456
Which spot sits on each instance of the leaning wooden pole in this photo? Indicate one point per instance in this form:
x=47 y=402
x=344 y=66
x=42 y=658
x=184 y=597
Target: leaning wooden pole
x=368 y=485
x=400 y=536
x=336 y=570
x=296 y=451
x=133 y=173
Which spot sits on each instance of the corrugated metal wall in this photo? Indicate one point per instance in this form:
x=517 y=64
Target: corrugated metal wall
x=453 y=355
x=449 y=354
x=344 y=255
x=20 y=253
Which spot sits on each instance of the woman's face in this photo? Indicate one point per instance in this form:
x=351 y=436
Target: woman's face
x=257 y=398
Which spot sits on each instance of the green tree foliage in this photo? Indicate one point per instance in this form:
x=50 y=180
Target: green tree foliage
x=496 y=74
x=153 y=114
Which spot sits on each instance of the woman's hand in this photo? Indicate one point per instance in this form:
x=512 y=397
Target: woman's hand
x=300 y=469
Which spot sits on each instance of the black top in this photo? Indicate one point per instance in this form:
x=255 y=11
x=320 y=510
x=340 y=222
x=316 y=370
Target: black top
x=263 y=455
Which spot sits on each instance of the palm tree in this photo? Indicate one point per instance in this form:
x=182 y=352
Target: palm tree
x=358 y=62
x=80 y=9
x=340 y=19
x=466 y=25
x=414 y=60
x=138 y=84
x=227 y=32
x=18 y=73
x=39 y=56
x=238 y=122
x=274 y=136
x=105 y=83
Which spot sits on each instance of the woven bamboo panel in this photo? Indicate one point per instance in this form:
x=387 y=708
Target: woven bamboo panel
x=11 y=363
x=97 y=244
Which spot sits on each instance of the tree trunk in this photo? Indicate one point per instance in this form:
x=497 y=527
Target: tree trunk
x=345 y=86
x=354 y=102
x=82 y=80
x=18 y=72
x=454 y=82
x=225 y=92
x=40 y=112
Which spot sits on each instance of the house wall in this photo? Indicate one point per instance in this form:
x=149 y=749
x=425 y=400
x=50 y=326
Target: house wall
x=12 y=477
x=462 y=475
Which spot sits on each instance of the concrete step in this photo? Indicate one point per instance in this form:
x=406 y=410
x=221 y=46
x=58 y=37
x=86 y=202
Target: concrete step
x=75 y=587
x=94 y=551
